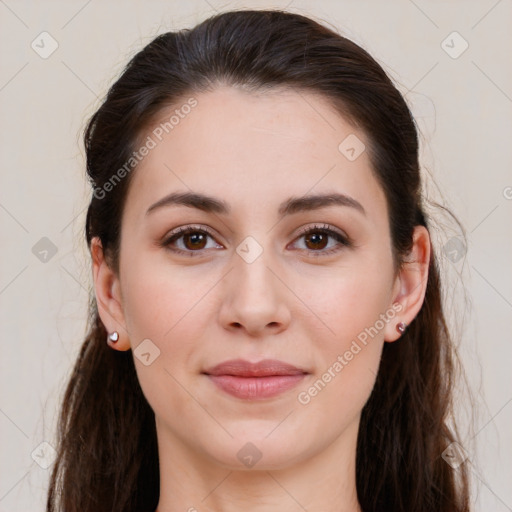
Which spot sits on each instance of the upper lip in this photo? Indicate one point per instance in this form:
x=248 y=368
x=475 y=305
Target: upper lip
x=264 y=368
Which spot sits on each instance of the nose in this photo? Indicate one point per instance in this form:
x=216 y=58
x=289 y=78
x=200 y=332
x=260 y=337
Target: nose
x=254 y=297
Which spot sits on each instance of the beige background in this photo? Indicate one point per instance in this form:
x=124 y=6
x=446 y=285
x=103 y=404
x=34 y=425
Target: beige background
x=463 y=107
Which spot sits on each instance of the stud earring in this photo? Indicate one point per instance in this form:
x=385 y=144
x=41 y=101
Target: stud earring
x=400 y=327
x=113 y=336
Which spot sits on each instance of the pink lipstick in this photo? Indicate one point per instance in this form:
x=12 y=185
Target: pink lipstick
x=255 y=381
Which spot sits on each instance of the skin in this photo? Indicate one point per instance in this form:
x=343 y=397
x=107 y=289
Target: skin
x=291 y=303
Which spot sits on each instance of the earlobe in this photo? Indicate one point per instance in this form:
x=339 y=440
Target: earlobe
x=411 y=283
x=108 y=297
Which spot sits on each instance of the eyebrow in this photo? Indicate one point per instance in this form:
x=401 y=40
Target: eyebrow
x=289 y=207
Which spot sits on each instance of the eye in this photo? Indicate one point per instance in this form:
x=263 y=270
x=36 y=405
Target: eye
x=317 y=238
x=193 y=240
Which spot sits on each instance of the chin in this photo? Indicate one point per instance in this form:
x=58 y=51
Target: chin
x=256 y=450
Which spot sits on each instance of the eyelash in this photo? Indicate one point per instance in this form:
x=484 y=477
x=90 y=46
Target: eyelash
x=325 y=229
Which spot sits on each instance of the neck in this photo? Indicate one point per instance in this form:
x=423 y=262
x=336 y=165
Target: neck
x=192 y=482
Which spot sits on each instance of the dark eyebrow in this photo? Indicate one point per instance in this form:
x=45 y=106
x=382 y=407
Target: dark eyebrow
x=317 y=201
x=288 y=207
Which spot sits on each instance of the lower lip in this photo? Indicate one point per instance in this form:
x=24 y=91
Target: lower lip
x=256 y=387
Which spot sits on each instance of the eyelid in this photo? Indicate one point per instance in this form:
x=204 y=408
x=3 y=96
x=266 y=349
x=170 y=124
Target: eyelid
x=344 y=241
x=323 y=227
x=183 y=230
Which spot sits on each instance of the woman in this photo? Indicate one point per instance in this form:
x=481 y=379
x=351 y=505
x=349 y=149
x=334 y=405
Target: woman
x=267 y=330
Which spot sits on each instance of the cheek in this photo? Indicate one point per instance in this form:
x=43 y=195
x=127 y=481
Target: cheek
x=354 y=309
x=349 y=300
x=158 y=296
x=162 y=307
x=171 y=307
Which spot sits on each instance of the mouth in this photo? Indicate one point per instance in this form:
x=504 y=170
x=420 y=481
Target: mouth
x=255 y=381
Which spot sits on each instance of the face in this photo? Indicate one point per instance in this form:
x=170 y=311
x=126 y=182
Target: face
x=262 y=271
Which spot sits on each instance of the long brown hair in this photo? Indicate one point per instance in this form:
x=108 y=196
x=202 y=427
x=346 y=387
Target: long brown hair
x=107 y=450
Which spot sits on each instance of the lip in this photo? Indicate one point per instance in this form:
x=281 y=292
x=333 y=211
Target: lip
x=253 y=381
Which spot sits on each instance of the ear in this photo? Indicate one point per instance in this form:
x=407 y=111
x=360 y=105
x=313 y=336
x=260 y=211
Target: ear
x=411 y=283
x=108 y=296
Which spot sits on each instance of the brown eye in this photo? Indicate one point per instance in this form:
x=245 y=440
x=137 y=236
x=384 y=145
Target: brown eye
x=190 y=241
x=317 y=239
x=194 y=240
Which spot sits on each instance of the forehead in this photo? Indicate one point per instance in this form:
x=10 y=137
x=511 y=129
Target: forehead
x=253 y=149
